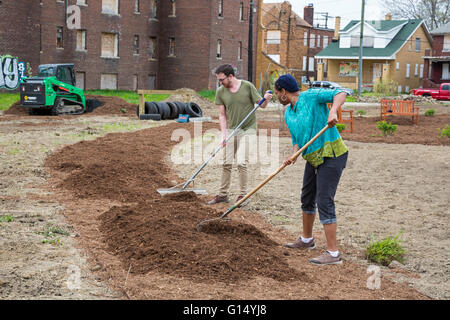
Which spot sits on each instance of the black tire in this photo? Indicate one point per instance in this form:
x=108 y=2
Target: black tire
x=31 y=111
x=164 y=110
x=151 y=107
x=193 y=110
x=150 y=116
x=173 y=110
x=181 y=107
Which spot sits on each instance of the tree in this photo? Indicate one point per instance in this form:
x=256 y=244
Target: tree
x=435 y=13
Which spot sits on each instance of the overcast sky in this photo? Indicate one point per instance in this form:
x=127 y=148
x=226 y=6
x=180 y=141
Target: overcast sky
x=346 y=9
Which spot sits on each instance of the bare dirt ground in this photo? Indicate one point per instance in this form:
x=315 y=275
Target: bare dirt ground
x=114 y=237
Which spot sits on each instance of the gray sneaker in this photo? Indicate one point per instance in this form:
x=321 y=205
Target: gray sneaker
x=218 y=199
x=326 y=258
x=299 y=244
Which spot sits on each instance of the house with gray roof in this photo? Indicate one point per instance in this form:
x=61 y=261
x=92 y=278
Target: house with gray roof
x=393 y=52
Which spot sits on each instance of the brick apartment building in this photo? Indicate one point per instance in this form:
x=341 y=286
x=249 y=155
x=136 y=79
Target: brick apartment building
x=292 y=41
x=131 y=44
x=437 y=59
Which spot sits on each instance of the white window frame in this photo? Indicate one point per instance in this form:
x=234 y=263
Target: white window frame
x=152 y=48
x=220 y=9
x=446 y=71
x=421 y=71
x=318 y=41
x=312 y=40
x=304 y=63
x=397 y=66
x=416 y=70
x=446 y=44
x=305 y=38
x=408 y=66
x=241 y=11
x=219 y=49
x=325 y=41
x=273 y=37
x=311 y=64
x=172 y=47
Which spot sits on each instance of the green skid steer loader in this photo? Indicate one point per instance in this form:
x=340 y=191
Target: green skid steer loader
x=52 y=90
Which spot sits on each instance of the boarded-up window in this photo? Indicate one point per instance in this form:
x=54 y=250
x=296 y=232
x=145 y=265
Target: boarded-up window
x=318 y=41
x=110 y=6
x=220 y=14
x=152 y=48
x=445 y=71
x=273 y=37
x=109 y=45
x=305 y=39
x=59 y=37
x=311 y=64
x=219 y=49
x=240 y=50
x=136 y=45
x=151 y=82
x=325 y=41
x=108 y=81
x=241 y=11
x=135 y=82
x=421 y=71
x=407 y=70
x=417 y=44
x=81 y=39
x=153 y=9
x=174 y=8
x=171 y=46
x=80 y=80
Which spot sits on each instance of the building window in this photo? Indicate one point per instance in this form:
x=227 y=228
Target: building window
x=171 y=46
x=416 y=70
x=135 y=82
x=110 y=6
x=81 y=40
x=153 y=9
x=318 y=41
x=220 y=8
x=407 y=70
x=446 y=47
x=59 y=37
x=397 y=66
x=219 y=49
x=304 y=63
x=110 y=45
x=311 y=64
x=273 y=37
x=421 y=71
x=240 y=50
x=151 y=82
x=241 y=11
x=108 y=81
x=418 y=44
x=80 y=78
x=173 y=7
x=305 y=39
x=152 y=48
x=82 y=2
x=445 y=71
x=136 y=45
x=136 y=6
x=312 y=40
x=325 y=41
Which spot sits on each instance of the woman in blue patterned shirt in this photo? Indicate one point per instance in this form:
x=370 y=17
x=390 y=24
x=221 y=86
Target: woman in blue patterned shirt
x=326 y=158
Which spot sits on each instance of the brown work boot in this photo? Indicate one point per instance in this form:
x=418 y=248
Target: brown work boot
x=326 y=258
x=299 y=244
x=219 y=199
x=243 y=203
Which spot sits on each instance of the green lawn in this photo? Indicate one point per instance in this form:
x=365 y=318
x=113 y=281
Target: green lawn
x=209 y=94
x=8 y=99
x=129 y=96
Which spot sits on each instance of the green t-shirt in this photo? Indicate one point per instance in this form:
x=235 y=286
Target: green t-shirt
x=238 y=105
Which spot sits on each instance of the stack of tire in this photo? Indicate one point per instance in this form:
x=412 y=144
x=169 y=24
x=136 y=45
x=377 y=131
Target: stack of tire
x=169 y=110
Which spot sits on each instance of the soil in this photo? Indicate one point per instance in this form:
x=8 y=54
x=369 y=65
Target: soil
x=125 y=241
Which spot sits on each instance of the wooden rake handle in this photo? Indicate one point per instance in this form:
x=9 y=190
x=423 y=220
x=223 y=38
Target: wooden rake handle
x=295 y=156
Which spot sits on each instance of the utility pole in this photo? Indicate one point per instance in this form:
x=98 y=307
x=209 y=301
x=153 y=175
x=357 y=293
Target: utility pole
x=361 y=49
x=250 y=43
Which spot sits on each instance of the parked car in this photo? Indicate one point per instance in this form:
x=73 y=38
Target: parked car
x=331 y=85
x=443 y=93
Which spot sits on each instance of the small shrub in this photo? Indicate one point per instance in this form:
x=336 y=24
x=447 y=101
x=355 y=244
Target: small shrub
x=123 y=110
x=340 y=127
x=360 y=112
x=386 y=128
x=445 y=132
x=386 y=250
x=6 y=218
x=430 y=112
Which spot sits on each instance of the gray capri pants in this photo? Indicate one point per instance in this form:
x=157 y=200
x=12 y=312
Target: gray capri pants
x=319 y=187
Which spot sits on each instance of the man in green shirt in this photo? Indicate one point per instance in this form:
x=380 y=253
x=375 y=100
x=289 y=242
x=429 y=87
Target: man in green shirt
x=235 y=99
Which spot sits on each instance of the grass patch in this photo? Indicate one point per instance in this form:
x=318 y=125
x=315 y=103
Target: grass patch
x=52 y=233
x=6 y=218
x=386 y=250
x=8 y=99
x=208 y=94
x=129 y=96
x=117 y=126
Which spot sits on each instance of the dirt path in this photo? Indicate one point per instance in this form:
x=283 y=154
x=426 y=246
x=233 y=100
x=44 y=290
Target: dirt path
x=114 y=237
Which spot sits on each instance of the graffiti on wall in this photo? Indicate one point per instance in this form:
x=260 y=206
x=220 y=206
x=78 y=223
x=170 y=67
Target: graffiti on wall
x=11 y=70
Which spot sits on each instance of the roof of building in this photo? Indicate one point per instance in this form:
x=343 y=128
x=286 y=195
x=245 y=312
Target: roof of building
x=445 y=29
x=267 y=7
x=405 y=33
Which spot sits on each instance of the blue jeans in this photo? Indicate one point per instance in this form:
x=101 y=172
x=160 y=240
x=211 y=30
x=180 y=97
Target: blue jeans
x=319 y=187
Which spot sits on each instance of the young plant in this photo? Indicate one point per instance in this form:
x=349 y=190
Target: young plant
x=386 y=128
x=430 y=112
x=340 y=127
x=386 y=250
x=360 y=113
x=6 y=218
x=123 y=110
x=445 y=132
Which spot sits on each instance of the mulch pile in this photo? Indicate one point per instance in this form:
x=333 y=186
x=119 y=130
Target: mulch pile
x=156 y=233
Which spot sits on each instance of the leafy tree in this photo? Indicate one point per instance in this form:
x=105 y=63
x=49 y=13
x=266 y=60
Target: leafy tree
x=435 y=13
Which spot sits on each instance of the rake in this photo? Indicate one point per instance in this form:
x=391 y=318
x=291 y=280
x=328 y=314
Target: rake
x=248 y=195
x=174 y=189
